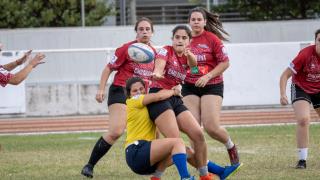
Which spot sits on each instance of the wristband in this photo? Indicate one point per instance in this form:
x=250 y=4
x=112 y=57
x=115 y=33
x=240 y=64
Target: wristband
x=195 y=70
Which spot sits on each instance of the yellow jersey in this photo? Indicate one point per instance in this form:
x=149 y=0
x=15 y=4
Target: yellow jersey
x=139 y=124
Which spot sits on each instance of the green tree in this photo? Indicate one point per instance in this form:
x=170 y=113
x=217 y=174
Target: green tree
x=273 y=9
x=51 y=13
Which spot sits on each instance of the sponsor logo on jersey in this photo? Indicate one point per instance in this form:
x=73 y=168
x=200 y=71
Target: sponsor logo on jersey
x=176 y=74
x=142 y=72
x=202 y=46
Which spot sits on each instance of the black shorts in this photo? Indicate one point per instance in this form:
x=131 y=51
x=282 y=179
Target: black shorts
x=116 y=95
x=211 y=89
x=138 y=158
x=298 y=93
x=174 y=102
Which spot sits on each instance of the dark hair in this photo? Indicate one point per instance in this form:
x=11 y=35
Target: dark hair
x=213 y=24
x=182 y=27
x=316 y=34
x=143 y=19
x=129 y=83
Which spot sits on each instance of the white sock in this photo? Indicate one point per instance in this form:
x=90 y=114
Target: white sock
x=229 y=143
x=157 y=174
x=303 y=153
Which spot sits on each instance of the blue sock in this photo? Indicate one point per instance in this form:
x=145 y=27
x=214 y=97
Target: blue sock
x=180 y=160
x=214 y=168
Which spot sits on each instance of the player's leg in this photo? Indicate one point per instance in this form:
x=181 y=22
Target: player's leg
x=117 y=124
x=210 y=118
x=301 y=105
x=192 y=102
x=172 y=147
x=302 y=115
x=189 y=125
x=161 y=113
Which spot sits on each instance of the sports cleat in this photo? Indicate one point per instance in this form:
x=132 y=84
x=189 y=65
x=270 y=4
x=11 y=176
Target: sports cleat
x=229 y=171
x=154 y=178
x=233 y=155
x=302 y=164
x=209 y=176
x=189 y=178
x=87 y=171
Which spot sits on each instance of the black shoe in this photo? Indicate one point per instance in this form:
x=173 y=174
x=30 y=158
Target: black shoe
x=302 y=164
x=87 y=171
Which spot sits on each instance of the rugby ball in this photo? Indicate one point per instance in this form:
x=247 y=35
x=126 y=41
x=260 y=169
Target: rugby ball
x=141 y=53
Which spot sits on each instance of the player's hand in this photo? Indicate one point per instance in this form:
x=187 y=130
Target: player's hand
x=188 y=53
x=157 y=76
x=100 y=96
x=24 y=58
x=202 y=81
x=177 y=90
x=284 y=100
x=37 y=59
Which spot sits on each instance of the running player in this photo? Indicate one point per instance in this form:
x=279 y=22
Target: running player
x=203 y=88
x=305 y=90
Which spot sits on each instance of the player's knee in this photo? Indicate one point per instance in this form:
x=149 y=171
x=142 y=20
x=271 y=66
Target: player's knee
x=197 y=136
x=179 y=142
x=211 y=128
x=115 y=134
x=303 y=121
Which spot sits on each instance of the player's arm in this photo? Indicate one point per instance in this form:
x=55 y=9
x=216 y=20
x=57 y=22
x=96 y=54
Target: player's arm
x=14 y=64
x=159 y=66
x=219 y=69
x=102 y=86
x=22 y=74
x=160 y=95
x=283 y=85
x=191 y=58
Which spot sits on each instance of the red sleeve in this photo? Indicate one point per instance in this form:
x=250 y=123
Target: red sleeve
x=5 y=76
x=163 y=53
x=218 y=50
x=297 y=64
x=119 y=57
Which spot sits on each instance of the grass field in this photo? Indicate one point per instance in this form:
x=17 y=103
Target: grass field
x=267 y=153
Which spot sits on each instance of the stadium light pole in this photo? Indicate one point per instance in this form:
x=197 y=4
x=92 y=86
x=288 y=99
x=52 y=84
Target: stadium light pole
x=83 y=21
x=208 y=5
x=123 y=12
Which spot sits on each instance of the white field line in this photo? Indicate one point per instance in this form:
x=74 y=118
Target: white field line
x=87 y=131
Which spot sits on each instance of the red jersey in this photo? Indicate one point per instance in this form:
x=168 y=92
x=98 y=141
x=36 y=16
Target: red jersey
x=209 y=51
x=4 y=76
x=127 y=68
x=174 y=71
x=306 y=69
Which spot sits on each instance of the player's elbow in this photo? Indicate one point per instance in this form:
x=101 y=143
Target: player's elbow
x=15 y=80
x=227 y=64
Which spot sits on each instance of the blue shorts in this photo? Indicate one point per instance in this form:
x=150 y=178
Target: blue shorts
x=116 y=95
x=174 y=103
x=138 y=157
